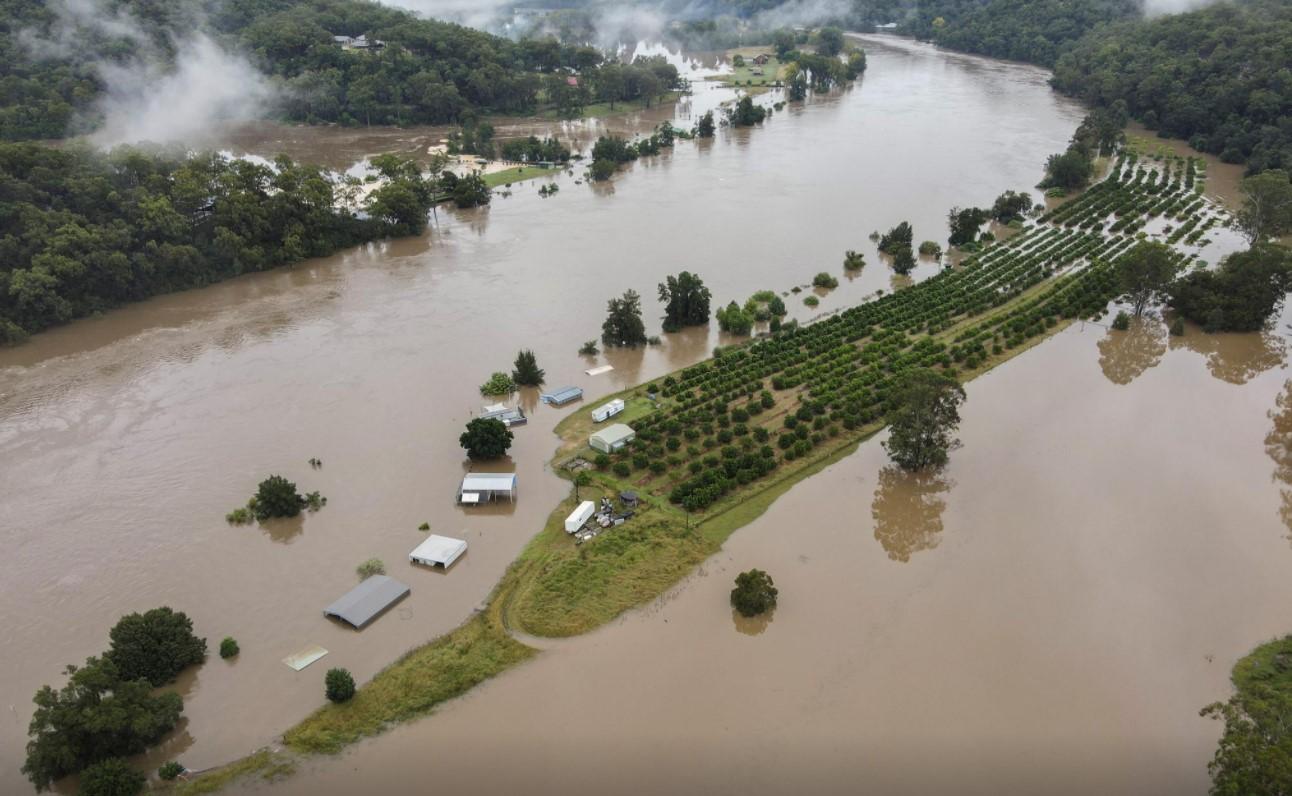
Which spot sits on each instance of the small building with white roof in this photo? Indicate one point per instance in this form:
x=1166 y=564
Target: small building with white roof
x=438 y=551
x=485 y=487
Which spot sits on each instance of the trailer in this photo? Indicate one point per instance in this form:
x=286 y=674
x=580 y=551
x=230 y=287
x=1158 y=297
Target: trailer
x=580 y=516
x=606 y=411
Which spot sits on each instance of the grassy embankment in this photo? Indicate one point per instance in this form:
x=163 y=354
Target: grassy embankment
x=965 y=320
x=603 y=110
x=499 y=179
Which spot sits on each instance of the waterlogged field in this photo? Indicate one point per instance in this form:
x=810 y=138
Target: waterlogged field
x=722 y=439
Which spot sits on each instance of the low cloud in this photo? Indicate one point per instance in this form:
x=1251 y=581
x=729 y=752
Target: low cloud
x=1157 y=8
x=205 y=86
x=162 y=94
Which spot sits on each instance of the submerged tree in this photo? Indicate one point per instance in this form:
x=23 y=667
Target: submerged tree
x=853 y=260
x=686 y=301
x=734 y=320
x=746 y=113
x=1011 y=206
x=1254 y=756
x=705 y=127
x=754 y=593
x=1240 y=295
x=277 y=497
x=895 y=238
x=623 y=325
x=1267 y=206
x=1146 y=271
x=486 y=438
x=111 y=777
x=964 y=224
x=527 y=372
x=499 y=383
x=926 y=413
x=96 y=716
x=156 y=645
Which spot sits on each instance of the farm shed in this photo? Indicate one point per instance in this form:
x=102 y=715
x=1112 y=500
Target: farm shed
x=612 y=438
x=561 y=396
x=366 y=601
x=579 y=517
x=438 y=551
x=482 y=487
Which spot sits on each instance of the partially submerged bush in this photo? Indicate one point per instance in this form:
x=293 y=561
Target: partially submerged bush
x=170 y=770
x=229 y=647
x=824 y=280
x=754 y=593
x=373 y=566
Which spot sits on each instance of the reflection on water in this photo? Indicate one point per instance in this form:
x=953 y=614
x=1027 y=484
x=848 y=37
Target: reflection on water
x=1278 y=444
x=908 y=510
x=1124 y=356
x=283 y=530
x=752 y=625
x=1235 y=358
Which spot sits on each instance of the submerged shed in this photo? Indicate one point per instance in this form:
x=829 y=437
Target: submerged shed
x=366 y=601
x=483 y=487
x=438 y=551
x=561 y=396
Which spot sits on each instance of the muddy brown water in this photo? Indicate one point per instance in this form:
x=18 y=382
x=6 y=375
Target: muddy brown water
x=124 y=439
x=1047 y=615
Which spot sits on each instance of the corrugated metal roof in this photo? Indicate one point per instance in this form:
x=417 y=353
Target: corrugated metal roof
x=562 y=395
x=489 y=482
x=362 y=603
x=442 y=550
x=612 y=434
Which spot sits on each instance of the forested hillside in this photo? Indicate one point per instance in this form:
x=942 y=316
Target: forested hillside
x=81 y=232
x=1220 y=77
x=52 y=62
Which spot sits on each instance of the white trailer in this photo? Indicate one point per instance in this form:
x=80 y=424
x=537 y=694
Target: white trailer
x=606 y=411
x=580 y=516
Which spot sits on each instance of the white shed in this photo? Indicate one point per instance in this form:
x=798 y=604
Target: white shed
x=438 y=551
x=580 y=516
x=606 y=411
x=612 y=438
x=481 y=487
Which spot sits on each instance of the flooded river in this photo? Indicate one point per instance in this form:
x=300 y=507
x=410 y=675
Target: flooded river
x=1047 y=615
x=125 y=439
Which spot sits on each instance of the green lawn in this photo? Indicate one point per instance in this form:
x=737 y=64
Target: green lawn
x=772 y=72
x=515 y=174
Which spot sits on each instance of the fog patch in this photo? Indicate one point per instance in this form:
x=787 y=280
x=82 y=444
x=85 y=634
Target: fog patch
x=171 y=87
x=146 y=101
x=1157 y=8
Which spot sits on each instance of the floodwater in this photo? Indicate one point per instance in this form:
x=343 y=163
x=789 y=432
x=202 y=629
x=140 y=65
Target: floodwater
x=124 y=439
x=1046 y=615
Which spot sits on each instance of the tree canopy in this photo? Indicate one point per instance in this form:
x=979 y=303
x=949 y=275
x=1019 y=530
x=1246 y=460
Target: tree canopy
x=1240 y=295
x=527 y=372
x=486 y=438
x=754 y=594
x=623 y=325
x=1254 y=755
x=1267 y=206
x=925 y=414
x=155 y=646
x=1145 y=272
x=97 y=715
x=686 y=301
x=277 y=497
x=83 y=232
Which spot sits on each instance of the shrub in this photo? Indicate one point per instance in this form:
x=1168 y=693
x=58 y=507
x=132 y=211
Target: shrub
x=373 y=566
x=930 y=248
x=170 y=770
x=338 y=685
x=527 y=372
x=239 y=516
x=1122 y=322
x=622 y=469
x=811 y=301
x=111 y=777
x=229 y=647
x=601 y=461
x=824 y=280
x=589 y=349
x=754 y=593
x=1177 y=327
x=426 y=526
x=499 y=384
x=853 y=260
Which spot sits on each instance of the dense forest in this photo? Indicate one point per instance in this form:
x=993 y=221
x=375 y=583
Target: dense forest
x=81 y=232
x=52 y=64
x=1220 y=77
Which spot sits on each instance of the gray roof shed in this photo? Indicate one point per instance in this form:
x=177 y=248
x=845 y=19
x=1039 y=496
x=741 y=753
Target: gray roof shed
x=366 y=601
